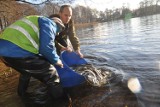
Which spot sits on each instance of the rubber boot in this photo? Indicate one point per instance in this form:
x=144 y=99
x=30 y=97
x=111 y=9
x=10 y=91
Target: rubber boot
x=23 y=84
x=55 y=90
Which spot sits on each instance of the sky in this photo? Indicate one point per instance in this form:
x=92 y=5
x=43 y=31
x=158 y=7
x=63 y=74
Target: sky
x=101 y=5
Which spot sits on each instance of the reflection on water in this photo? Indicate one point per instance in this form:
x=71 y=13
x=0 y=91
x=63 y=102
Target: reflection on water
x=130 y=48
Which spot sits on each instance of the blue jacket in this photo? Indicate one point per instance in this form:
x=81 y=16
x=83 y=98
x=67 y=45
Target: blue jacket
x=47 y=48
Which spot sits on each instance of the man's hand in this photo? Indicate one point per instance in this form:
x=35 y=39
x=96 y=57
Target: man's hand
x=79 y=53
x=59 y=63
x=68 y=49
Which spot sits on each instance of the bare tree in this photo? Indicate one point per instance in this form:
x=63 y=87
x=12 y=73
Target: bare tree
x=38 y=2
x=11 y=11
x=49 y=9
x=157 y=2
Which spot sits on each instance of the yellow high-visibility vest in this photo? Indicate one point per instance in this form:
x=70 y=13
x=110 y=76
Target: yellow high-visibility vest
x=24 y=33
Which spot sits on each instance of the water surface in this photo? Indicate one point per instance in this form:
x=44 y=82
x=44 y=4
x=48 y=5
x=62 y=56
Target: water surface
x=131 y=46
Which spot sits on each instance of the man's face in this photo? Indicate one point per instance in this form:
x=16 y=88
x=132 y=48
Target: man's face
x=66 y=15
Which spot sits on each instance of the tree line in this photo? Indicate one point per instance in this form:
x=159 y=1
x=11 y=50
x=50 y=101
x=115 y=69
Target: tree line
x=86 y=15
x=13 y=10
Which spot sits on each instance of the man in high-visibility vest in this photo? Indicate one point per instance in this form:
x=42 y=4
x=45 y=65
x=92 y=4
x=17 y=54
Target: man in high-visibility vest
x=28 y=46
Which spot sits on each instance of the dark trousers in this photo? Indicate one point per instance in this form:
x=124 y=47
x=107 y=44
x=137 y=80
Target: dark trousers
x=39 y=68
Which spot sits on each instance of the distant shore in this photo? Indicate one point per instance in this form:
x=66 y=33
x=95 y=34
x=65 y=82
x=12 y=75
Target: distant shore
x=79 y=25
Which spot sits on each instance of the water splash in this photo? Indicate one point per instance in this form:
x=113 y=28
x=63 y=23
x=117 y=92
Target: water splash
x=98 y=77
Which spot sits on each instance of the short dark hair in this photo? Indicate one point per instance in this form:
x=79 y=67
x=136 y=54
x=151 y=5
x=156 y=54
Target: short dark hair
x=62 y=7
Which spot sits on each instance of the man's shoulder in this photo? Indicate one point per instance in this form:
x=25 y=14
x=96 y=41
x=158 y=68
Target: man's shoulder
x=71 y=23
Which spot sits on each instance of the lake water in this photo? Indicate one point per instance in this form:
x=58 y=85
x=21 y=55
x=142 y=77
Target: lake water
x=132 y=47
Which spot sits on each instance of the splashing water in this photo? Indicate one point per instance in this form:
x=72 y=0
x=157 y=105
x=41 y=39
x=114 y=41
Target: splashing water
x=94 y=76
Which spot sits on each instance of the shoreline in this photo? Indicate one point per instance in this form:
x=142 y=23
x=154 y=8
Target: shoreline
x=80 y=25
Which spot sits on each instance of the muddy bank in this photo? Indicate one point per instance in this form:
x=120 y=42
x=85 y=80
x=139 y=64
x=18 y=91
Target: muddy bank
x=84 y=95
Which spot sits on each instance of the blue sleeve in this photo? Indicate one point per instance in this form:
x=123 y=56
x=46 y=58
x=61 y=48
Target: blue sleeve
x=47 y=36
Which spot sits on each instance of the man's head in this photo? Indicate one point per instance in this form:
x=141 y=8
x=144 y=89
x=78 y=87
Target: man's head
x=65 y=13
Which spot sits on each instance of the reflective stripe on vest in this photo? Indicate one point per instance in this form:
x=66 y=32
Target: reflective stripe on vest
x=25 y=33
x=32 y=25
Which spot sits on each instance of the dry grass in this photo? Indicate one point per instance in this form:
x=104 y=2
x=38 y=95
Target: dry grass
x=4 y=70
x=3 y=67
